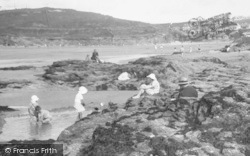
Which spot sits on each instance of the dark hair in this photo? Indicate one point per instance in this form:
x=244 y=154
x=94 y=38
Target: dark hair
x=37 y=108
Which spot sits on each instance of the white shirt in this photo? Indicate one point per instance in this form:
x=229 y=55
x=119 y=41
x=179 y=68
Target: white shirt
x=44 y=115
x=155 y=86
x=32 y=107
x=78 y=103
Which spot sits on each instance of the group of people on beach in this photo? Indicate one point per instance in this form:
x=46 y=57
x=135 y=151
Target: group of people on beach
x=36 y=112
x=150 y=87
x=182 y=50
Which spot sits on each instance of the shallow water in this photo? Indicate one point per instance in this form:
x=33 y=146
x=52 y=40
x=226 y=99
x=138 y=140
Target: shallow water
x=24 y=128
x=52 y=97
x=60 y=102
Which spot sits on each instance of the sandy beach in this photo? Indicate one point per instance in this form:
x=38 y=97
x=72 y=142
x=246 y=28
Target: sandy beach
x=57 y=97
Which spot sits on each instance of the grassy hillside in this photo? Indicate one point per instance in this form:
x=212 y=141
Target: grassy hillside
x=51 y=26
x=66 y=24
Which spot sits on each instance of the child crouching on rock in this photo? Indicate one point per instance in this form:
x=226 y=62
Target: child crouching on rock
x=79 y=104
x=151 y=89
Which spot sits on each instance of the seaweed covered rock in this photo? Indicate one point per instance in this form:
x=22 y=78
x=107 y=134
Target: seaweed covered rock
x=230 y=97
x=14 y=84
x=111 y=141
x=210 y=59
x=18 y=68
x=153 y=125
x=104 y=76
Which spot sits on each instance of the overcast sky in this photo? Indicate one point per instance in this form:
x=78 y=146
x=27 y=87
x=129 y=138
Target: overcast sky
x=150 y=11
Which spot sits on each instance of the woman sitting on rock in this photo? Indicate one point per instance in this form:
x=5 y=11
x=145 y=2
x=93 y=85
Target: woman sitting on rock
x=152 y=88
x=79 y=102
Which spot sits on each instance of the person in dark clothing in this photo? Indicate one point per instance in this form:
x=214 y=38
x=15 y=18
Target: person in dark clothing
x=95 y=56
x=186 y=90
x=186 y=102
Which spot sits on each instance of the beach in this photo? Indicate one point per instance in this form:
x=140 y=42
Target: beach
x=56 y=97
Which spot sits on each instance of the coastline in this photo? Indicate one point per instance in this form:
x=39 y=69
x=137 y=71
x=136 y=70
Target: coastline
x=119 y=59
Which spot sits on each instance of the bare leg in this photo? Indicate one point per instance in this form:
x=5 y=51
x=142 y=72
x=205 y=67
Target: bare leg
x=47 y=120
x=79 y=116
x=139 y=94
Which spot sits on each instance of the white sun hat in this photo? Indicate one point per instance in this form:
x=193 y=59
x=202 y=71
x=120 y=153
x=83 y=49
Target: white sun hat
x=34 y=98
x=183 y=81
x=83 y=90
x=152 y=76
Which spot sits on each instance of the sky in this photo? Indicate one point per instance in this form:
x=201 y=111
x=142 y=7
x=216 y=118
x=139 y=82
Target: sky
x=149 y=11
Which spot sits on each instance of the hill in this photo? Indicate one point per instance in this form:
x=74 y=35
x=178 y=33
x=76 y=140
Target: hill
x=52 y=26
x=67 y=24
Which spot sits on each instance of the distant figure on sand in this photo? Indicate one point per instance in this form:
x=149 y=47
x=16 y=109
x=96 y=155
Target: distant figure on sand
x=175 y=50
x=79 y=104
x=95 y=57
x=32 y=106
x=199 y=49
x=182 y=49
x=43 y=116
x=87 y=58
x=190 y=49
x=152 y=88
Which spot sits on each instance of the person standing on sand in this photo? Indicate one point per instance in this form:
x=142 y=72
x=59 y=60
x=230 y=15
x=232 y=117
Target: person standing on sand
x=151 y=89
x=79 y=104
x=87 y=58
x=32 y=106
x=190 y=49
x=199 y=49
x=182 y=49
x=175 y=50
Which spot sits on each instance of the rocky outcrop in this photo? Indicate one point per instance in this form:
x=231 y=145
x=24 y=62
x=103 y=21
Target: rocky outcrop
x=210 y=59
x=240 y=44
x=14 y=84
x=215 y=124
x=152 y=125
x=18 y=68
x=104 y=76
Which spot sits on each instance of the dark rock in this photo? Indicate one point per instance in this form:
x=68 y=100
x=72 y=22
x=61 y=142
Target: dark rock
x=6 y=109
x=110 y=141
x=105 y=76
x=210 y=59
x=18 y=68
x=14 y=84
